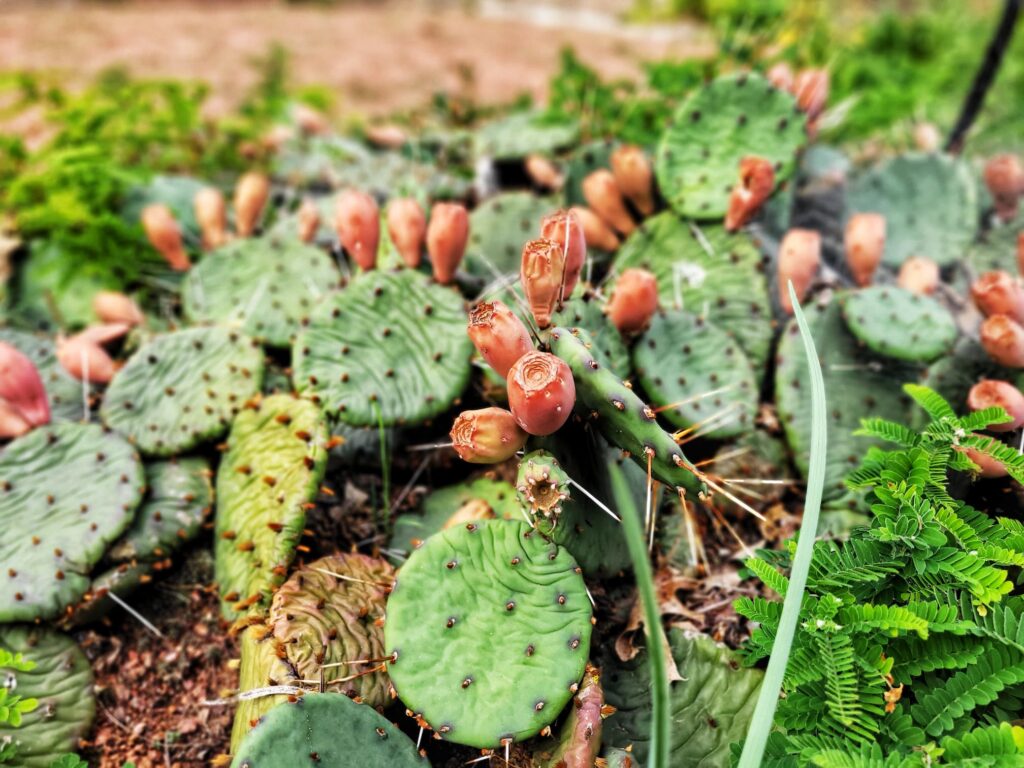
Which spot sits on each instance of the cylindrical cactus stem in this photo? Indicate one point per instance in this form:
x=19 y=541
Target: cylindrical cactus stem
x=595 y=232
x=781 y=76
x=1003 y=340
x=163 y=232
x=447 y=235
x=21 y=387
x=486 y=436
x=498 y=335
x=564 y=228
x=634 y=300
x=864 y=242
x=989 y=468
x=919 y=275
x=634 y=177
x=992 y=393
x=357 y=222
x=407 y=226
x=212 y=215
x=811 y=91
x=543 y=172
x=1004 y=177
x=757 y=181
x=308 y=220
x=999 y=293
x=114 y=307
x=799 y=259
x=927 y=137
x=542 y=273
x=605 y=198
x=251 y=195
x=541 y=392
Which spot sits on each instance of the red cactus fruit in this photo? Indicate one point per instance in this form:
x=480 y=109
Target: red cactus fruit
x=212 y=215
x=164 y=234
x=114 y=307
x=992 y=393
x=757 y=180
x=542 y=273
x=357 y=221
x=919 y=275
x=541 y=392
x=543 y=172
x=498 y=335
x=1004 y=177
x=564 y=228
x=447 y=235
x=309 y=220
x=990 y=468
x=927 y=137
x=634 y=300
x=999 y=293
x=799 y=259
x=634 y=177
x=595 y=232
x=1003 y=339
x=486 y=436
x=251 y=194
x=865 y=242
x=387 y=136
x=407 y=227
x=605 y=198
x=811 y=91
x=21 y=388
x=12 y=423
x=84 y=358
x=781 y=76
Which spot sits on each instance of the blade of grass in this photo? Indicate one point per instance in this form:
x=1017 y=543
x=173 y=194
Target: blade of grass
x=768 y=698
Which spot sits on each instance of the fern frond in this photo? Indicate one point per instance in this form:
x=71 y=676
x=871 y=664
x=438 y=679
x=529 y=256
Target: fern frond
x=1001 y=452
x=772 y=578
x=841 y=690
x=867 y=757
x=958 y=528
x=915 y=656
x=1003 y=623
x=889 y=431
x=977 y=747
x=931 y=401
x=1001 y=555
x=987 y=584
x=984 y=418
x=867 y=617
x=846 y=565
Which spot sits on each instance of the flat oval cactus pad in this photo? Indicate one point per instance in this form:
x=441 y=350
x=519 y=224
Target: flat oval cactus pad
x=897 y=323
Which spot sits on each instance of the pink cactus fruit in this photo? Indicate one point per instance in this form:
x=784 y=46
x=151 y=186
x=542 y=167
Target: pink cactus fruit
x=498 y=335
x=799 y=259
x=486 y=436
x=634 y=300
x=564 y=227
x=781 y=76
x=864 y=243
x=115 y=307
x=1003 y=340
x=755 y=186
x=22 y=394
x=357 y=221
x=1004 y=177
x=542 y=272
x=447 y=235
x=163 y=232
x=308 y=220
x=632 y=172
x=212 y=215
x=999 y=293
x=919 y=275
x=811 y=91
x=992 y=393
x=543 y=172
x=251 y=194
x=595 y=232
x=407 y=226
x=605 y=198
x=541 y=392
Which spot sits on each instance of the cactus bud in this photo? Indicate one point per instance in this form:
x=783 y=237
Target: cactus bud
x=634 y=177
x=114 y=307
x=781 y=76
x=999 y=293
x=595 y=232
x=865 y=242
x=163 y=232
x=447 y=235
x=564 y=228
x=605 y=198
x=543 y=172
x=927 y=137
x=541 y=392
x=992 y=393
x=357 y=221
x=251 y=195
x=407 y=227
x=309 y=220
x=1003 y=339
x=542 y=273
x=1004 y=177
x=21 y=388
x=634 y=300
x=757 y=181
x=542 y=485
x=989 y=468
x=499 y=336
x=799 y=258
x=486 y=436
x=919 y=275
x=212 y=216
x=811 y=91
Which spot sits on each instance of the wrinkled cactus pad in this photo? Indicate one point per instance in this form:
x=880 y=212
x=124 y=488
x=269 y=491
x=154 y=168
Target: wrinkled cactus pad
x=259 y=667
x=498 y=228
x=521 y=134
x=66 y=492
x=274 y=463
x=63 y=391
x=62 y=683
x=733 y=117
x=896 y=323
x=183 y=388
x=490 y=626
x=389 y=347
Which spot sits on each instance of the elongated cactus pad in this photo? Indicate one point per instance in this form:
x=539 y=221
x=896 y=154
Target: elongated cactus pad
x=498 y=229
x=326 y=730
x=521 y=134
x=390 y=347
x=63 y=391
x=579 y=738
x=62 y=683
x=259 y=667
x=66 y=492
x=273 y=467
x=329 y=612
x=733 y=117
x=183 y=388
x=263 y=286
x=608 y=346
x=690 y=364
x=897 y=323
x=490 y=626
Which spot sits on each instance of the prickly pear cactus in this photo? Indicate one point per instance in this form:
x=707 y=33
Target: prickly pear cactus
x=390 y=347
x=330 y=612
x=64 y=392
x=706 y=271
x=263 y=286
x=688 y=363
x=176 y=192
x=274 y=463
x=498 y=227
x=489 y=625
x=607 y=346
x=579 y=738
x=542 y=486
x=66 y=492
x=521 y=134
x=326 y=730
x=929 y=204
x=953 y=375
x=62 y=683
x=119 y=580
x=732 y=117
x=583 y=162
x=259 y=667
x=996 y=248
x=183 y=388
x=897 y=323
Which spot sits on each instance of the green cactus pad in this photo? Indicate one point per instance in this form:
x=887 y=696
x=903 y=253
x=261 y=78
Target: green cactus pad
x=606 y=342
x=730 y=118
x=326 y=730
x=521 y=134
x=498 y=230
x=490 y=627
x=183 y=388
x=274 y=463
x=259 y=667
x=682 y=357
x=929 y=204
x=710 y=708
x=583 y=162
x=622 y=417
x=997 y=248
x=63 y=391
x=66 y=492
x=390 y=347
x=263 y=286
x=896 y=323
x=709 y=272
x=119 y=580
x=321 y=620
